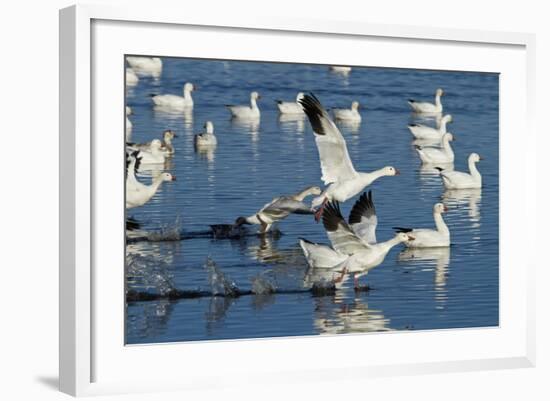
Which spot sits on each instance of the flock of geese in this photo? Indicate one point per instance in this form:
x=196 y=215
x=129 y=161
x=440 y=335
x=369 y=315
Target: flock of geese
x=354 y=248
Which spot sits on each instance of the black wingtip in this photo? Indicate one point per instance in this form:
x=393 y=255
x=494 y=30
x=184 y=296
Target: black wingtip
x=332 y=216
x=411 y=100
x=402 y=229
x=439 y=169
x=279 y=101
x=364 y=206
x=413 y=125
x=314 y=111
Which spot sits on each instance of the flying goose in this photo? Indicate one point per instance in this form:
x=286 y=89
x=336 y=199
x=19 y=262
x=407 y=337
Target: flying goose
x=460 y=180
x=251 y=112
x=176 y=102
x=426 y=238
x=337 y=169
x=280 y=208
x=426 y=107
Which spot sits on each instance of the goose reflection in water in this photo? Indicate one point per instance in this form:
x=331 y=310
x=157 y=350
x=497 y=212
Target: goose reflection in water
x=292 y=123
x=333 y=316
x=184 y=116
x=349 y=125
x=250 y=125
x=437 y=259
x=470 y=198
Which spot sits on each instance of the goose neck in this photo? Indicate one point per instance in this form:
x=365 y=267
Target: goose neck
x=440 y=224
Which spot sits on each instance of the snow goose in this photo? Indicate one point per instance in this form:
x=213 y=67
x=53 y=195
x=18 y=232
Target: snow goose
x=145 y=65
x=421 y=131
x=139 y=194
x=460 y=180
x=340 y=69
x=425 y=107
x=291 y=107
x=154 y=155
x=336 y=166
x=361 y=256
x=129 y=127
x=426 y=238
x=131 y=77
x=251 y=112
x=207 y=138
x=431 y=155
x=166 y=145
x=279 y=209
x=347 y=114
x=176 y=102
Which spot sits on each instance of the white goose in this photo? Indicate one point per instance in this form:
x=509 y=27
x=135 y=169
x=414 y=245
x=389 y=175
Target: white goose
x=145 y=65
x=360 y=256
x=280 y=208
x=426 y=238
x=154 y=155
x=129 y=127
x=429 y=108
x=348 y=114
x=207 y=138
x=131 y=77
x=420 y=131
x=138 y=194
x=166 y=145
x=460 y=180
x=293 y=108
x=176 y=102
x=251 y=112
x=338 y=172
x=340 y=69
x=431 y=155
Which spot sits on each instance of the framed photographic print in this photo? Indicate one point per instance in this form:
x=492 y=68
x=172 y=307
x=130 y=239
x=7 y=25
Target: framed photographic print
x=339 y=191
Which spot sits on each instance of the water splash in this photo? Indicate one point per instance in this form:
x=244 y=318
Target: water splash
x=263 y=286
x=167 y=232
x=219 y=283
x=148 y=273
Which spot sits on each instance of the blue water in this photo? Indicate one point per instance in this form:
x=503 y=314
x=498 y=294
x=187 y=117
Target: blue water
x=411 y=290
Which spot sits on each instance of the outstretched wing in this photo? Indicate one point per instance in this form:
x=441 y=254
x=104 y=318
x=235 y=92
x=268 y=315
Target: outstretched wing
x=333 y=152
x=282 y=206
x=362 y=218
x=340 y=234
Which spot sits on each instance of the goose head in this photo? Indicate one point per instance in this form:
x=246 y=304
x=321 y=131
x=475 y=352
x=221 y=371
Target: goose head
x=447 y=118
x=440 y=208
x=169 y=135
x=404 y=237
x=254 y=95
x=189 y=87
x=299 y=96
x=439 y=92
x=474 y=157
x=355 y=105
x=209 y=127
x=390 y=170
x=448 y=137
x=167 y=177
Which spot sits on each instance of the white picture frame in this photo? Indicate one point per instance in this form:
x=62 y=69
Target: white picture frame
x=91 y=362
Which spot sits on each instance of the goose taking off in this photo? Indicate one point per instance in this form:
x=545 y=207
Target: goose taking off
x=351 y=253
x=460 y=180
x=421 y=131
x=336 y=166
x=176 y=102
x=347 y=114
x=145 y=65
x=207 y=138
x=280 y=208
x=431 y=155
x=251 y=112
x=426 y=107
x=291 y=107
x=426 y=238
x=138 y=194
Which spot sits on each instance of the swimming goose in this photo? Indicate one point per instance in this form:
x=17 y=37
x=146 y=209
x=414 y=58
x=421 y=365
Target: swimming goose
x=347 y=114
x=207 y=138
x=279 y=209
x=426 y=238
x=166 y=144
x=139 y=194
x=131 y=77
x=129 y=127
x=431 y=155
x=176 y=102
x=338 y=172
x=340 y=69
x=361 y=256
x=251 y=112
x=153 y=155
x=460 y=180
x=128 y=111
x=425 y=107
x=291 y=107
x=420 y=131
x=145 y=65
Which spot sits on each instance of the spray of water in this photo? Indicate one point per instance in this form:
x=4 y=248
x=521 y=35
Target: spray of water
x=220 y=284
